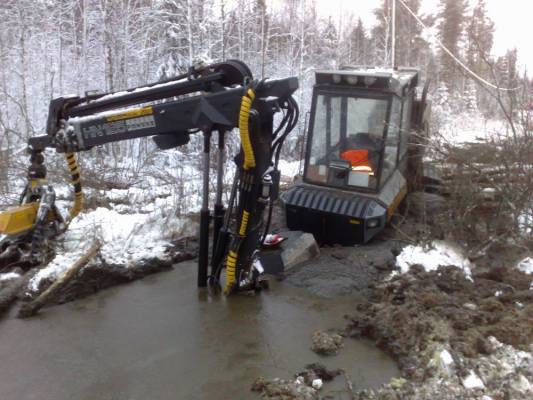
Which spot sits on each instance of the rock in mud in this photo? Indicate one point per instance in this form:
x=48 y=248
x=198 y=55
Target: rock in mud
x=10 y=290
x=326 y=343
x=422 y=204
x=299 y=248
x=317 y=371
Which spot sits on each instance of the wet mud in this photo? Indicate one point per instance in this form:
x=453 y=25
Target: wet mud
x=345 y=270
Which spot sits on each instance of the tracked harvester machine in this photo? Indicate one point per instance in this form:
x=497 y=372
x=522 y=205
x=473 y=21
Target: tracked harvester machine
x=363 y=153
x=209 y=99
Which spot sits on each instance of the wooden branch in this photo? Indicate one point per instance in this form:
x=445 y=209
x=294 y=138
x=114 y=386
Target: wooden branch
x=33 y=307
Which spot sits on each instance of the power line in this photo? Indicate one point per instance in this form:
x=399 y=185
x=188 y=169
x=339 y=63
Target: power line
x=472 y=73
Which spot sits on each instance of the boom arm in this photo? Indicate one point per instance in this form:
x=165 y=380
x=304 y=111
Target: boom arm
x=78 y=124
x=219 y=98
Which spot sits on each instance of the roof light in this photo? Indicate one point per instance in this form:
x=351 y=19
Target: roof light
x=370 y=80
x=336 y=78
x=352 y=79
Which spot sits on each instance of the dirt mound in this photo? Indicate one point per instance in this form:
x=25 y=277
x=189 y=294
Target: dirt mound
x=411 y=312
x=326 y=343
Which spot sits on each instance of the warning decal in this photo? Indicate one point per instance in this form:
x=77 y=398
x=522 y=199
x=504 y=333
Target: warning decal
x=137 y=112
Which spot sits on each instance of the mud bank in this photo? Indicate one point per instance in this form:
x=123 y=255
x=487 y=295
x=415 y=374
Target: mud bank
x=453 y=338
x=97 y=276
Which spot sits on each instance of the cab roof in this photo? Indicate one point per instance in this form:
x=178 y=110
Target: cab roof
x=398 y=81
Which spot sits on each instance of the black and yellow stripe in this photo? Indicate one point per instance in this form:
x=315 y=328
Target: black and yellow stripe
x=231 y=270
x=75 y=180
x=244 y=128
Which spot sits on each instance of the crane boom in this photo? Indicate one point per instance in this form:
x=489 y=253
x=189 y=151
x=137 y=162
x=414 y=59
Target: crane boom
x=217 y=97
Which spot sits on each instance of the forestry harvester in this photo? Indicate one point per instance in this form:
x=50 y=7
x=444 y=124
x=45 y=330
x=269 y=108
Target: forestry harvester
x=363 y=153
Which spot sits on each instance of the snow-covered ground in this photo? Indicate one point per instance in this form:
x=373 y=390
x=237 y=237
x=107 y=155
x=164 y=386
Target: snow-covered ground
x=432 y=256
x=126 y=239
x=461 y=130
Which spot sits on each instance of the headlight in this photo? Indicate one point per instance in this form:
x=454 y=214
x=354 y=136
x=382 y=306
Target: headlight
x=372 y=223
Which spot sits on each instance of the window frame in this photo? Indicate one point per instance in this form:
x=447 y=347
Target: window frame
x=404 y=135
x=347 y=92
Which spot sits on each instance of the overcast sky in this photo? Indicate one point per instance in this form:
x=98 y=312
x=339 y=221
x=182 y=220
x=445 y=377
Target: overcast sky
x=513 y=19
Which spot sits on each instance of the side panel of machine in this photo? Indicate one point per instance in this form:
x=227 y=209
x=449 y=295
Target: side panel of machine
x=18 y=219
x=393 y=192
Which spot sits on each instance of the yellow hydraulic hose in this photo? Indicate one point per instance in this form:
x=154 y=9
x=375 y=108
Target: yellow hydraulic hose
x=231 y=268
x=76 y=182
x=249 y=162
x=244 y=222
x=244 y=128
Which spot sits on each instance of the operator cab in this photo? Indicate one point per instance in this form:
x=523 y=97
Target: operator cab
x=356 y=160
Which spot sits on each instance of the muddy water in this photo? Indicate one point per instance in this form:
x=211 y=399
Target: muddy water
x=160 y=338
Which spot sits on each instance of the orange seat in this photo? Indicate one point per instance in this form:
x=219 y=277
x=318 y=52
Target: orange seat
x=358 y=159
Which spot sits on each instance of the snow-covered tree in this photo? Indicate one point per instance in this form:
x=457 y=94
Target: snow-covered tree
x=452 y=20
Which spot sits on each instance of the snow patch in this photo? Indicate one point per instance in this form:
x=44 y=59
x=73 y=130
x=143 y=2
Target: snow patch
x=317 y=384
x=446 y=357
x=289 y=169
x=9 y=276
x=54 y=269
x=126 y=240
x=431 y=257
x=526 y=265
x=472 y=381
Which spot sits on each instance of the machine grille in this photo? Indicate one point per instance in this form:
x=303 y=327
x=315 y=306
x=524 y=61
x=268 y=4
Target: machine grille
x=326 y=201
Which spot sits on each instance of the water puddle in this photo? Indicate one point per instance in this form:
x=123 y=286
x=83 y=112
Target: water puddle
x=161 y=338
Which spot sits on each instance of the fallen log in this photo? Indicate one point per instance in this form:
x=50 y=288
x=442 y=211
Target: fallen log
x=33 y=307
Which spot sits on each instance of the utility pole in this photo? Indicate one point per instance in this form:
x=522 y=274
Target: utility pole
x=393 y=44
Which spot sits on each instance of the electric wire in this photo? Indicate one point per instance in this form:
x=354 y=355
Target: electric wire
x=472 y=73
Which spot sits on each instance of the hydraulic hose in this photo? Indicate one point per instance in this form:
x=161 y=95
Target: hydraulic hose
x=75 y=180
x=244 y=128
x=231 y=270
x=249 y=163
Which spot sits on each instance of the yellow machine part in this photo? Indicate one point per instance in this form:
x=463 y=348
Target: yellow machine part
x=18 y=219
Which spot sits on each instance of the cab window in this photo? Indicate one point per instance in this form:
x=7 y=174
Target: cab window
x=346 y=140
